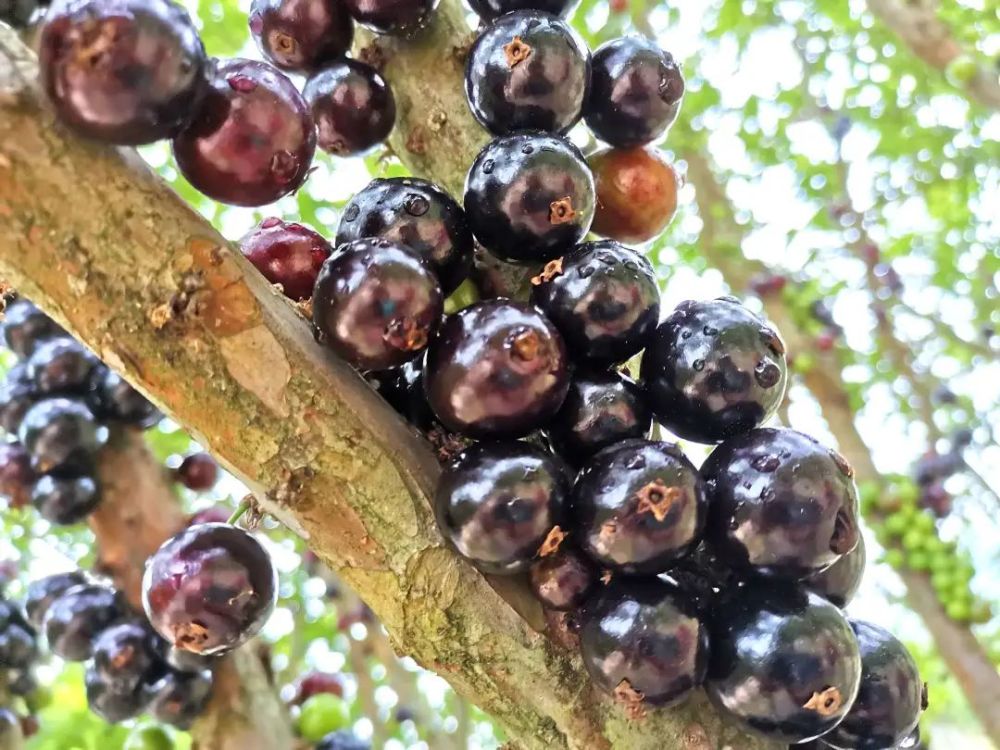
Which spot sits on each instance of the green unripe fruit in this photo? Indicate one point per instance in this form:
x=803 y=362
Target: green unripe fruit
x=924 y=522
x=958 y=610
x=896 y=525
x=883 y=536
x=981 y=613
x=908 y=493
x=913 y=540
x=803 y=363
x=869 y=491
x=149 y=738
x=321 y=715
x=942 y=582
x=894 y=558
x=964 y=572
x=918 y=561
x=961 y=70
x=941 y=563
x=935 y=546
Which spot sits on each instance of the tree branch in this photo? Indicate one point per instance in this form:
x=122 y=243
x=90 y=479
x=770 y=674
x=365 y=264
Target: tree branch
x=101 y=244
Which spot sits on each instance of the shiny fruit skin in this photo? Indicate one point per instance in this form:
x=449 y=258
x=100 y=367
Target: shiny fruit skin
x=43 y=592
x=288 y=254
x=840 y=582
x=890 y=699
x=636 y=194
x=643 y=641
x=122 y=71
x=392 y=17
x=76 y=617
x=318 y=683
x=343 y=739
x=60 y=366
x=124 y=655
x=603 y=298
x=198 y=472
x=113 y=399
x=352 y=105
x=25 y=326
x=562 y=581
x=178 y=698
x=418 y=214
x=301 y=35
x=635 y=93
x=209 y=589
x=784 y=662
x=782 y=504
x=376 y=303
x=489 y=10
x=322 y=714
x=65 y=501
x=638 y=506
x=252 y=140
x=61 y=435
x=713 y=370
x=18 y=649
x=529 y=196
x=16 y=474
x=528 y=70
x=497 y=503
x=496 y=369
x=17 y=394
x=112 y=705
x=403 y=389
x=600 y=409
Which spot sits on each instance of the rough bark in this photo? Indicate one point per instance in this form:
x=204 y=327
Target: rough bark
x=101 y=244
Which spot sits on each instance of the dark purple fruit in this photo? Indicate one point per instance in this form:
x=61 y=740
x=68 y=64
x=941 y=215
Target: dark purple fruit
x=839 y=583
x=286 y=253
x=21 y=682
x=181 y=697
x=603 y=298
x=114 y=706
x=113 y=399
x=352 y=105
x=714 y=370
x=563 y=580
x=635 y=93
x=25 y=326
x=343 y=739
x=527 y=71
x=62 y=436
x=643 y=641
x=122 y=71
x=209 y=588
x=784 y=662
x=376 y=303
x=638 y=506
x=498 y=503
x=891 y=696
x=44 y=591
x=394 y=17
x=65 y=501
x=488 y=10
x=60 y=365
x=782 y=504
x=18 y=649
x=601 y=408
x=198 y=472
x=76 y=617
x=403 y=388
x=529 y=196
x=317 y=683
x=253 y=138
x=418 y=214
x=125 y=656
x=496 y=369
x=16 y=474
x=17 y=394
x=301 y=35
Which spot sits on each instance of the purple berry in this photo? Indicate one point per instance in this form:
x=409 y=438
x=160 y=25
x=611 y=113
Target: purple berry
x=16 y=474
x=17 y=394
x=352 y=105
x=393 y=17
x=181 y=697
x=839 y=583
x=125 y=656
x=287 y=254
x=43 y=592
x=300 y=35
x=77 y=616
x=61 y=365
x=25 y=326
x=61 y=435
x=65 y=501
x=113 y=399
x=198 y=472
x=563 y=580
x=114 y=706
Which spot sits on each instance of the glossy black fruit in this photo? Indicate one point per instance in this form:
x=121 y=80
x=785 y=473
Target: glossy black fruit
x=713 y=370
x=17 y=394
x=601 y=408
x=488 y=10
x=65 y=501
x=181 y=697
x=376 y=303
x=603 y=298
x=891 y=696
x=418 y=214
x=497 y=368
x=113 y=399
x=112 y=705
x=499 y=502
x=198 y=472
x=782 y=504
x=403 y=389
x=44 y=591
x=301 y=35
x=352 y=105
x=60 y=365
x=643 y=641
x=529 y=196
x=784 y=662
x=343 y=739
x=563 y=580
x=122 y=71
x=288 y=254
x=209 y=588
x=24 y=326
x=252 y=140
x=394 y=17
x=125 y=656
x=16 y=474
x=18 y=649
x=76 y=617
x=638 y=506
x=635 y=93
x=527 y=71
x=839 y=583
x=61 y=435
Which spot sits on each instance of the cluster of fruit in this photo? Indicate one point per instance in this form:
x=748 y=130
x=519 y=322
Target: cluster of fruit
x=58 y=401
x=18 y=653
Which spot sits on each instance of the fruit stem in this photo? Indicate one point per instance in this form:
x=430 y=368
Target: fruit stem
x=241 y=510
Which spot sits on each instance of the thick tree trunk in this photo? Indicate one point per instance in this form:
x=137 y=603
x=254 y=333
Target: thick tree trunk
x=102 y=245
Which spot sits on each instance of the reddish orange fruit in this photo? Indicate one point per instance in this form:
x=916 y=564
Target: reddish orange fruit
x=636 y=193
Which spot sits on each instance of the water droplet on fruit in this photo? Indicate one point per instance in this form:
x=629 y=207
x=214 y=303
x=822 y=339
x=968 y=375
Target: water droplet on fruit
x=699 y=365
x=586 y=272
x=243 y=84
x=767 y=493
x=527 y=149
x=685 y=334
x=636 y=462
x=766 y=463
x=417 y=205
x=767 y=374
x=631 y=265
x=709 y=331
x=352 y=213
x=488 y=166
